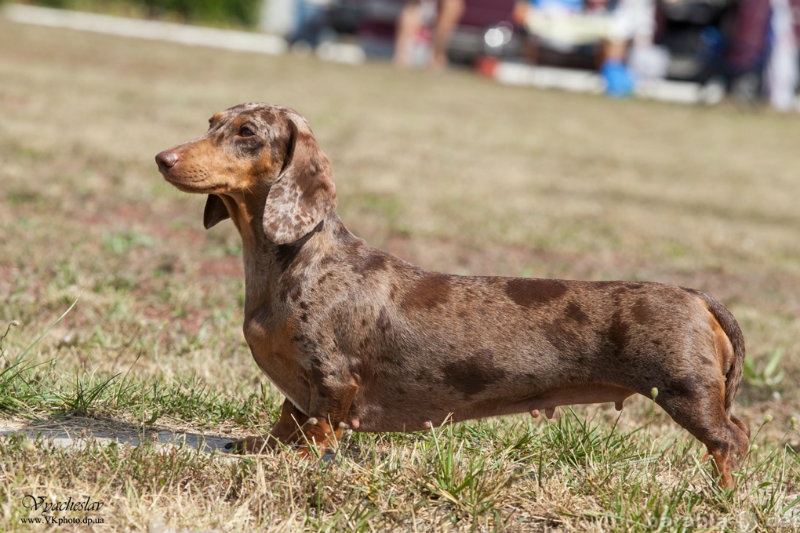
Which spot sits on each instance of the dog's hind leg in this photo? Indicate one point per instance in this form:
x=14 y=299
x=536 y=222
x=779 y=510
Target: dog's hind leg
x=700 y=409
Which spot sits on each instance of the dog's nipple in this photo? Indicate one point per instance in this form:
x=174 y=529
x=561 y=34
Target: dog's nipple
x=354 y=423
x=535 y=413
x=550 y=412
x=618 y=405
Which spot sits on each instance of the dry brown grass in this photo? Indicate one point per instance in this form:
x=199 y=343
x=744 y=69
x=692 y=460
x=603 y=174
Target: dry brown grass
x=449 y=171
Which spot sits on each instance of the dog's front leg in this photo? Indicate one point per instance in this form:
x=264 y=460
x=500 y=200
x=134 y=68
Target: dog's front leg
x=331 y=400
x=295 y=428
x=331 y=405
x=287 y=430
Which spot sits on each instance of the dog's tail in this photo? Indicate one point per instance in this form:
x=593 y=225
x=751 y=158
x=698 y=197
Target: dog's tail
x=729 y=325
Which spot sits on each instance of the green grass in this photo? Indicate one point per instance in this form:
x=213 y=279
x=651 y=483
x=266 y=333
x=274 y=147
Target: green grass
x=127 y=314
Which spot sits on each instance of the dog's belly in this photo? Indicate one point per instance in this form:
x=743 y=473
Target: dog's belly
x=549 y=400
x=420 y=413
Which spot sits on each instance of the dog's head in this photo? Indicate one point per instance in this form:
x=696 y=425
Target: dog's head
x=258 y=153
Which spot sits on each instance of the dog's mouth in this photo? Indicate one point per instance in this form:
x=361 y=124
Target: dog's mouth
x=181 y=184
x=190 y=186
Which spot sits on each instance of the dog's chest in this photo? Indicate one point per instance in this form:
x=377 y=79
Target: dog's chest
x=278 y=357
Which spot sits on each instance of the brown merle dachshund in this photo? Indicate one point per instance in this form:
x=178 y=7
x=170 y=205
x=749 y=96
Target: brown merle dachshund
x=355 y=337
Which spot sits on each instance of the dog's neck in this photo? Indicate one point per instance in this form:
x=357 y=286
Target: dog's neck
x=265 y=262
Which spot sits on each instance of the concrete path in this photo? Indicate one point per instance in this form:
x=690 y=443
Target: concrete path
x=240 y=41
x=78 y=432
x=146 y=29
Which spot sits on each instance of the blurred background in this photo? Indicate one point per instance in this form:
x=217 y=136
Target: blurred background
x=679 y=50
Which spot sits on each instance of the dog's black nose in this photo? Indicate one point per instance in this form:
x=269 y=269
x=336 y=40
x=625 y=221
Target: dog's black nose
x=166 y=159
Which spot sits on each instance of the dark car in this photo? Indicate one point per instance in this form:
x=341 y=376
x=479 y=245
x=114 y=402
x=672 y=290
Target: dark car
x=696 y=33
x=484 y=29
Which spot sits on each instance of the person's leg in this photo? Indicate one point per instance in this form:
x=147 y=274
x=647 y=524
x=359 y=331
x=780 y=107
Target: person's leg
x=408 y=24
x=449 y=15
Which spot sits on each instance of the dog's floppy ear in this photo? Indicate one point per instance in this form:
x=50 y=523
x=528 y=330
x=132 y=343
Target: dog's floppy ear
x=215 y=211
x=303 y=192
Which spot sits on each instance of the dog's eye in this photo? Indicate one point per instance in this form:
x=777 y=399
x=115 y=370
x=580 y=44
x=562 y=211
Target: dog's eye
x=246 y=131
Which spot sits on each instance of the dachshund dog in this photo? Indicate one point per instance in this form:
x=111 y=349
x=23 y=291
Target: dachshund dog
x=357 y=338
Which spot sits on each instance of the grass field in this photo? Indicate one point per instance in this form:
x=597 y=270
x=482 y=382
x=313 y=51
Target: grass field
x=449 y=171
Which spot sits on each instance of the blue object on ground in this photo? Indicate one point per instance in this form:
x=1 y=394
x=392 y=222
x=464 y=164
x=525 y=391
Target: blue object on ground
x=619 y=80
